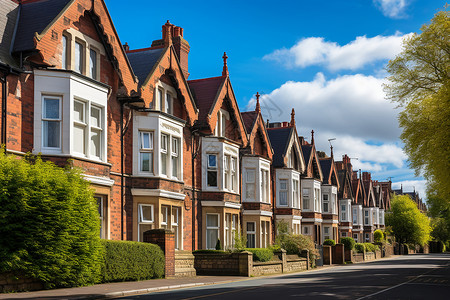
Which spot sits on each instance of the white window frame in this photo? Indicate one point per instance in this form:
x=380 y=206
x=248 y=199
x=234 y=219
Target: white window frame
x=175 y=226
x=366 y=217
x=175 y=157
x=326 y=201
x=217 y=228
x=213 y=169
x=59 y=120
x=80 y=62
x=344 y=212
x=355 y=216
x=306 y=192
x=143 y=150
x=252 y=234
x=95 y=65
x=142 y=221
x=284 y=191
x=295 y=194
x=249 y=183
x=165 y=212
x=164 y=152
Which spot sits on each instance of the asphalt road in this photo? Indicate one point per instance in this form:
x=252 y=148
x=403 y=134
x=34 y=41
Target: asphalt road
x=405 y=277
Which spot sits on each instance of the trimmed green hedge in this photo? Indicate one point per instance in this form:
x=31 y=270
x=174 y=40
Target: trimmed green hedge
x=329 y=242
x=261 y=254
x=349 y=243
x=128 y=261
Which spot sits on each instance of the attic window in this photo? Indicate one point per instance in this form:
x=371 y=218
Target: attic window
x=79 y=57
x=221 y=125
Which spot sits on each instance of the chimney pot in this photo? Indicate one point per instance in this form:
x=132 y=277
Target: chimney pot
x=126 y=47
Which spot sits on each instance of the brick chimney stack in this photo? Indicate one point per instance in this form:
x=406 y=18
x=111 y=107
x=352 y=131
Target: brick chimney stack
x=366 y=176
x=173 y=36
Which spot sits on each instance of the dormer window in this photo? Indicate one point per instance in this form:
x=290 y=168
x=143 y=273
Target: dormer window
x=164 y=97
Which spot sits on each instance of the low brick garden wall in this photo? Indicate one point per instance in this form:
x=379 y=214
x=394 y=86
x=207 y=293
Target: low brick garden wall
x=357 y=257
x=10 y=283
x=369 y=256
x=242 y=264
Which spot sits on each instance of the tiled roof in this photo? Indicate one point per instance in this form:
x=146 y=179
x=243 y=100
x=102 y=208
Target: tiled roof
x=325 y=165
x=205 y=92
x=8 y=17
x=279 y=139
x=34 y=17
x=142 y=61
x=249 y=118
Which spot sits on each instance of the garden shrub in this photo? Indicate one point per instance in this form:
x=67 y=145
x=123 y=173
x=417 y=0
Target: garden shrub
x=360 y=248
x=240 y=241
x=371 y=247
x=294 y=243
x=349 y=243
x=129 y=261
x=261 y=254
x=329 y=242
x=218 y=245
x=378 y=236
x=49 y=223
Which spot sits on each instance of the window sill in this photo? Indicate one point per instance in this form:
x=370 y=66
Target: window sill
x=71 y=156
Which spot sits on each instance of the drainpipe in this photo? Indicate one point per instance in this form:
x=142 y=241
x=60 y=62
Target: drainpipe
x=4 y=109
x=121 y=171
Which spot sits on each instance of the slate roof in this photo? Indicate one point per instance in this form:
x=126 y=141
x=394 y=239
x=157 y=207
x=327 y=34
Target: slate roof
x=279 y=139
x=249 y=118
x=306 y=150
x=325 y=165
x=205 y=92
x=35 y=17
x=8 y=18
x=142 y=61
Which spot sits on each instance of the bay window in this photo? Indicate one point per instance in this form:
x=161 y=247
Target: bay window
x=146 y=151
x=79 y=127
x=265 y=185
x=366 y=217
x=212 y=230
x=283 y=192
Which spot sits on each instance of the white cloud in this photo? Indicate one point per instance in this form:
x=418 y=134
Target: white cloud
x=419 y=186
x=352 y=56
x=352 y=105
x=392 y=8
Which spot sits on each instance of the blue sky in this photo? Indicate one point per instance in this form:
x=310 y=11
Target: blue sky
x=324 y=58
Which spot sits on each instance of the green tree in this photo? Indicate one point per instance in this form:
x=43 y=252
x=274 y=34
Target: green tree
x=378 y=236
x=409 y=225
x=419 y=82
x=49 y=223
x=439 y=211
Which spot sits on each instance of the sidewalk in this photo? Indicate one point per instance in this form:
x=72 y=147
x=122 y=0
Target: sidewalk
x=118 y=289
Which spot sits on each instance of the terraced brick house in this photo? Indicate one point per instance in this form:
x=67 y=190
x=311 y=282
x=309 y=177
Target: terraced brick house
x=257 y=208
x=312 y=192
x=345 y=197
x=330 y=188
x=370 y=210
x=287 y=167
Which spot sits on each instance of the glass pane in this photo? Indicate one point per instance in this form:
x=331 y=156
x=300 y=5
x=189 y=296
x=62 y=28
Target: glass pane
x=51 y=108
x=145 y=162
x=212 y=161
x=283 y=197
x=212 y=178
x=93 y=63
x=64 y=52
x=78 y=139
x=95 y=143
x=78 y=57
x=283 y=184
x=78 y=111
x=175 y=166
x=100 y=206
x=95 y=117
x=212 y=220
x=250 y=187
x=212 y=235
x=52 y=131
x=164 y=163
x=146 y=213
x=164 y=142
x=160 y=100
x=251 y=226
x=168 y=104
x=224 y=123
x=175 y=143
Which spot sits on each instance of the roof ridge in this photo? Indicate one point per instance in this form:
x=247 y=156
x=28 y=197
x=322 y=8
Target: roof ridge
x=203 y=79
x=142 y=50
